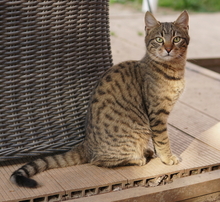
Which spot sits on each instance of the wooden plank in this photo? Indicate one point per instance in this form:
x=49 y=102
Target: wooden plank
x=212 y=197
x=201 y=70
x=132 y=52
x=212 y=64
x=212 y=136
x=14 y=193
x=87 y=177
x=193 y=152
x=127 y=44
x=1 y=196
x=180 y=189
x=190 y=120
x=202 y=91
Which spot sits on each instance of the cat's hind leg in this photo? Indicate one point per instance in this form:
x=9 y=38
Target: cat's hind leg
x=119 y=162
x=138 y=162
x=107 y=162
x=149 y=154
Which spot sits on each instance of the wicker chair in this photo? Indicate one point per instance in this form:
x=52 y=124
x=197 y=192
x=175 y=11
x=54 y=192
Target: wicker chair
x=52 y=53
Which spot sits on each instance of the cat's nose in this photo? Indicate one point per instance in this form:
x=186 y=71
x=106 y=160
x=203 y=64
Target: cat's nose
x=168 y=49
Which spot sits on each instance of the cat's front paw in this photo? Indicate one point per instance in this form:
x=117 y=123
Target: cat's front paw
x=172 y=160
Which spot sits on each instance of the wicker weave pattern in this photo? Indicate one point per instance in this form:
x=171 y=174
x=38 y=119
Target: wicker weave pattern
x=52 y=53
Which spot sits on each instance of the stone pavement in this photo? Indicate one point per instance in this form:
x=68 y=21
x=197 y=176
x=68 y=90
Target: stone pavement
x=127 y=33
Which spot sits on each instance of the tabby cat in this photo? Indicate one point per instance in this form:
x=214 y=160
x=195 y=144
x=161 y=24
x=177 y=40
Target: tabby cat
x=129 y=105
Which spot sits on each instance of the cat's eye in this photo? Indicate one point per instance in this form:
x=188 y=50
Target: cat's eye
x=176 y=39
x=159 y=40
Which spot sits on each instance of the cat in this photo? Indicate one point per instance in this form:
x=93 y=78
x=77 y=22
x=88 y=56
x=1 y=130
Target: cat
x=129 y=105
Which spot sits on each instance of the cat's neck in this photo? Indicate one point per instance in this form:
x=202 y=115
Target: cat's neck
x=180 y=63
x=174 y=68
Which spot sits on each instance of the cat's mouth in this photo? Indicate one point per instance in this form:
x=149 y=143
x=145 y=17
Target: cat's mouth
x=168 y=56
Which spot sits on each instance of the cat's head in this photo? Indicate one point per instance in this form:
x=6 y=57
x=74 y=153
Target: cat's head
x=167 y=41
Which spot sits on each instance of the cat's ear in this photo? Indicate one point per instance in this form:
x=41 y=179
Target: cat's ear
x=150 y=21
x=183 y=20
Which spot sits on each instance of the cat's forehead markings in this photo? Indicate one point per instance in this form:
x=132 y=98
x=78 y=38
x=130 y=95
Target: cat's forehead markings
x=166 y=27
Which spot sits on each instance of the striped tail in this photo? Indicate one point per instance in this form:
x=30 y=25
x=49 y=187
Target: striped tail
x=21 y=177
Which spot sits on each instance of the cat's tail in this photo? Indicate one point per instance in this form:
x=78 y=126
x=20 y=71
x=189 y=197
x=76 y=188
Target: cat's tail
x=21 y=177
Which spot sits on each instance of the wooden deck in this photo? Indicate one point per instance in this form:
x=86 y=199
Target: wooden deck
x=194 y=127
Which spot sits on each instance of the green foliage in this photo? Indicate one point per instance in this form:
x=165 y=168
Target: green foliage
x=140 y=33
x=112 y=34
x=133 y=3
x=194 y=5
x=126 y=1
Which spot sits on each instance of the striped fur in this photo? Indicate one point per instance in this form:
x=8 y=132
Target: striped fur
x=129 y=105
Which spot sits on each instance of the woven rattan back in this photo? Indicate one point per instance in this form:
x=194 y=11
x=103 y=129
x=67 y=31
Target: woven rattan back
x=52 y=54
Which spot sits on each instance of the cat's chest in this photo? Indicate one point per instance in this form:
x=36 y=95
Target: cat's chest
x=175 y=86
x=173 y=89
x=166 y=89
